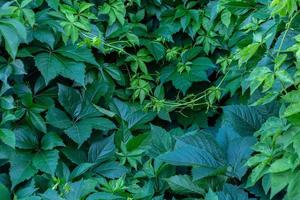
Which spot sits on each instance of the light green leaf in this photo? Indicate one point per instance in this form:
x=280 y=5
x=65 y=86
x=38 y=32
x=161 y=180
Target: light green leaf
x=292 y=96
x=256 y=174
x=278 y=182
x=30 y=16
x=226 y=18
x=284 y=76
x=292 y=109
x=248 y=52
x=280 y=165
x=293 y=191
x=115 y=10
x=257 y=77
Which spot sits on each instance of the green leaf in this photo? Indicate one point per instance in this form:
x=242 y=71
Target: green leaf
x=12 y=40
x=133 y=115
x=101 y=150
x=81 y=169
x=13 y=33
x=182 y=184
x=104 y=196
x=101 y=123
x=58 y=118
x=52 y=65
x=292 y=96
x=182 y=81
x=51 y=194
x=226 y=18
x=280 y=165
x=26 y=138
x=7 y=103
x=278 y=182
x=76 y=156
x=296 y=144
x=30 y=16
x=51 y=140
x=82 y=130
x=104 y=111
x=292 y=109
x=46 y=161
x=238 y=152
x=292 y=190
x=244 y=119
x=53 y=4
x=115 y=10
x=211 y=195
x=5 y=194
x=198 y=71
x=201 y=140
x=21 y=168
x=156 y=49
x=81 y=189
x=8 y=137
x=37 y=121
x=45 y=36
x=248 y=52
x=195 y=150
x=202 y=64
x=284 y=76
x=231 y=192
x=257 y=77
x=161 y=141
x=256 y=174
x=80 y=54
x=111 y=170
x=70 y=99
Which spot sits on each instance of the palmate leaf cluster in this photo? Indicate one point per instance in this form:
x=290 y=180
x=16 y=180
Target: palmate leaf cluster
x=149 y=99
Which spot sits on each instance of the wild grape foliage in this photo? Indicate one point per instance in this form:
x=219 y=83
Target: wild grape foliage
x=149 y=99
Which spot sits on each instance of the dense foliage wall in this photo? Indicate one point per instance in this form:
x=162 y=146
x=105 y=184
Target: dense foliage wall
x=149 y=99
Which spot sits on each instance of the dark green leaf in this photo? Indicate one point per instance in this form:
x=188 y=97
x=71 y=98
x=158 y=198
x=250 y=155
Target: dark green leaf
x=46 y=161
